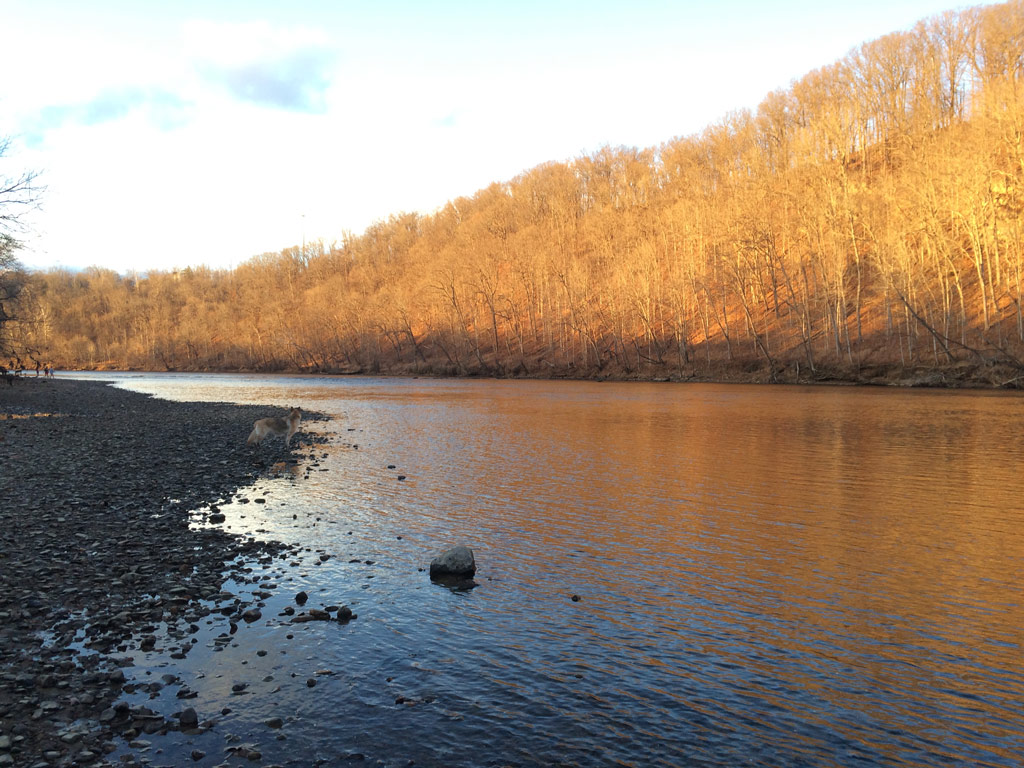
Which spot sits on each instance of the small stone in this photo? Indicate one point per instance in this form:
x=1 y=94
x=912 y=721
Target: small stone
x=575 y=598
x=310 y=683
x=198 y=754
x=274 y=722
x=301 y=598
x=188 y=718
x=251 y=615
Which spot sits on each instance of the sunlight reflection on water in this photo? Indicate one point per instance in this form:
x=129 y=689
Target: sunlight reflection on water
x=766 y=575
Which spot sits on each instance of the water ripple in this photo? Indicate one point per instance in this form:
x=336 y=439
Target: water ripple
x=765 y=576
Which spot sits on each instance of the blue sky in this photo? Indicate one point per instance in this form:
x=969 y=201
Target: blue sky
x=184 y=133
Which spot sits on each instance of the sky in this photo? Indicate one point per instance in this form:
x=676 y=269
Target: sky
x=174 y=134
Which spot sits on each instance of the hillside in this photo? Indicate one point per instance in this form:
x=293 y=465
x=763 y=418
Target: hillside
x=862 y=225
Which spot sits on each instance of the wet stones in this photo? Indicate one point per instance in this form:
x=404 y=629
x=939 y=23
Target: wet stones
x=102 y=556
x=342 y=614
x=246 y=752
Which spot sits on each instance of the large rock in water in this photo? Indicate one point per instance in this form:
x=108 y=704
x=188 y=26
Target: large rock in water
x=457 y=561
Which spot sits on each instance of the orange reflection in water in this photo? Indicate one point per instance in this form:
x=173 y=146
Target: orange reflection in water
x=767 y=575
x=861 y=545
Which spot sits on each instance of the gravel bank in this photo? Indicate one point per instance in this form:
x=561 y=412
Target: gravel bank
x=96 y=551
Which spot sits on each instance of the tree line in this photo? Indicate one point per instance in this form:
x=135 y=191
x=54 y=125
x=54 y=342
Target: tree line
x=864 y=220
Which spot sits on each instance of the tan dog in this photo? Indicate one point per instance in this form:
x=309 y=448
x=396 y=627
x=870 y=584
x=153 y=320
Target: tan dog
x=263 y=428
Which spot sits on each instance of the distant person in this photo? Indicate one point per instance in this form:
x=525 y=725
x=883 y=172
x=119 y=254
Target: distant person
x=38 y=366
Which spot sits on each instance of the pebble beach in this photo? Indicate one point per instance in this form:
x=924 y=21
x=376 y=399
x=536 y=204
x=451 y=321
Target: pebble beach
x=98 y=557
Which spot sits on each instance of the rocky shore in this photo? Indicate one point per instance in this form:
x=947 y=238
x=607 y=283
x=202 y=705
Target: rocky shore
x=98 y=558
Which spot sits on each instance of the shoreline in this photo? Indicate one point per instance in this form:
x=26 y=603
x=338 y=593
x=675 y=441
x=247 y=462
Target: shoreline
x=963 y=375
x=98 y=557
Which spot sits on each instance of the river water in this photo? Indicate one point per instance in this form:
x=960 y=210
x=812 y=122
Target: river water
x=765 y=576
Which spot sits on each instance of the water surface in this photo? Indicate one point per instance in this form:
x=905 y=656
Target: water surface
x=765 y=576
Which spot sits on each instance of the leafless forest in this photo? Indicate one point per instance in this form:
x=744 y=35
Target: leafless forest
x=863 y=224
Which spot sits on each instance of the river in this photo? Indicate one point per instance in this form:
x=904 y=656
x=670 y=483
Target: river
x=669 y=575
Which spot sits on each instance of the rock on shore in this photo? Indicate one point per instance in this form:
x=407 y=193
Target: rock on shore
x=95 y=545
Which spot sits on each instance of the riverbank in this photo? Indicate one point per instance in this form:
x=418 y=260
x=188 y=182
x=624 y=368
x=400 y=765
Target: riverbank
x=959 y=375
x=97 y=555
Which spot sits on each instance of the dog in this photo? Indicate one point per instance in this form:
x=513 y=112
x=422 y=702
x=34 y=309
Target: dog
x=263 y=428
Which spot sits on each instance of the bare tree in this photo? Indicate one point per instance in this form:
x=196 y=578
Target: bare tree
x=19 y=194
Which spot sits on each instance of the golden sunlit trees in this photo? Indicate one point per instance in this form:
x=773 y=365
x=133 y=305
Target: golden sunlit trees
x=867 y=216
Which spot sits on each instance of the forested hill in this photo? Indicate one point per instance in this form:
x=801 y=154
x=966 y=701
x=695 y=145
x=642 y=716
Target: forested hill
x=864 y=223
